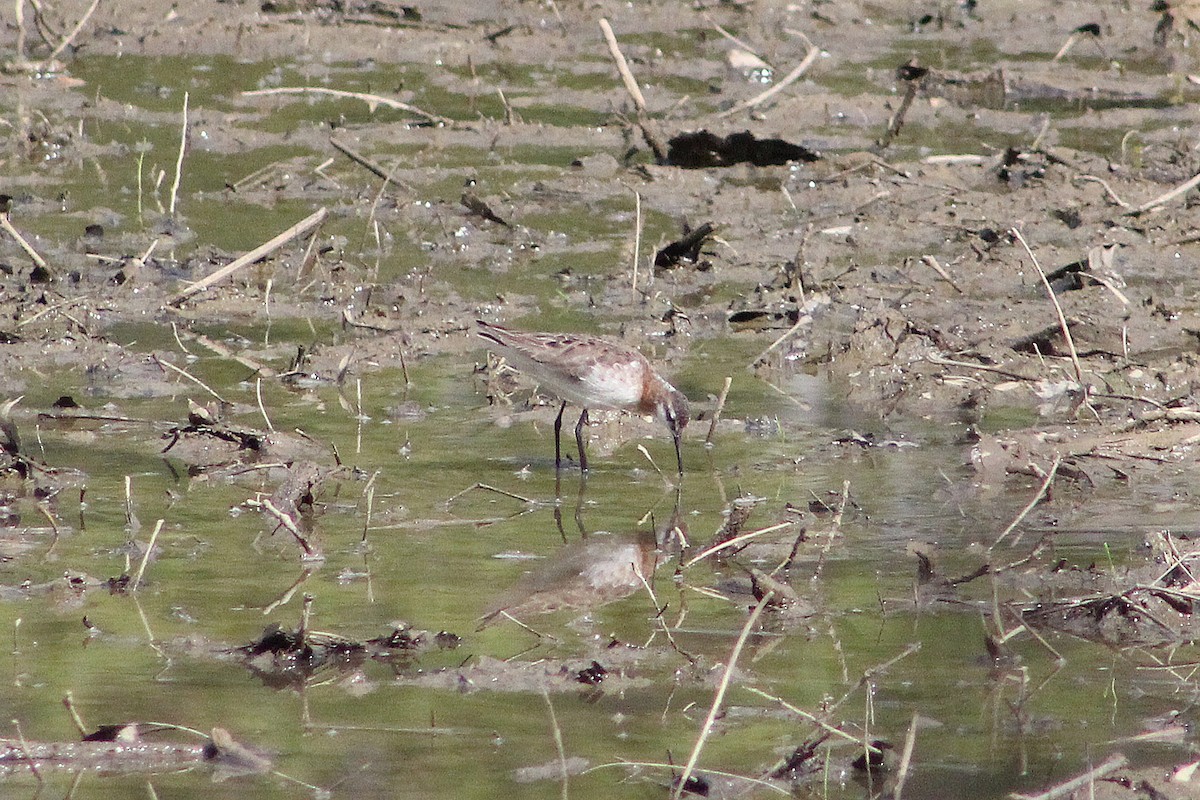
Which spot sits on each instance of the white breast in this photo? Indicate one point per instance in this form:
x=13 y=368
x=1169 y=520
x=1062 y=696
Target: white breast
x=609 y=386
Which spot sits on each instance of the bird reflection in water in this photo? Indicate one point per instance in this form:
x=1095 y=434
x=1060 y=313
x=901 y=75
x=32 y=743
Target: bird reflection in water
x=586 y=574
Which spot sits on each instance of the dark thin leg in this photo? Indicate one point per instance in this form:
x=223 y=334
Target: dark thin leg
x=558 y=437
x=583 y=420
x=583 y=534
x=558 y=506
x=678 y=455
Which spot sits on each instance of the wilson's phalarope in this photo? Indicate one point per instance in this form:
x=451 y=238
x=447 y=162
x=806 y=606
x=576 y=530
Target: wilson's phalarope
x=591 y=373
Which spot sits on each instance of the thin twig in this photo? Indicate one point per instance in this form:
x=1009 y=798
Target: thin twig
x=658 y=614
x=870 y=673
x=820 y=723
x=489 y=488
x=772 y=786
x=556 y=732
x=734 y=542
x=19 y=16
x=1182 y=188
x=369 y=494
x=137 y=580
x=361 y=160
x=25 y=751
x=262 y=250
x=70 y=37
x=933 y=264
x=68 y=702
x=614 y=50
x=261 y=407
x=1112 y=195
x=905 y=758
x=722 y=687
x=372 y=100
x=950 y=362
x=787 y=80
x=637 y=239
x=8 y=228
x=804 y=319
x=1113 y=762
x=1062 y=319
x=183 y=136
x=191 y=378
x=648 y=128
x=1041 y=492
x=286 y=521
x=712 y=426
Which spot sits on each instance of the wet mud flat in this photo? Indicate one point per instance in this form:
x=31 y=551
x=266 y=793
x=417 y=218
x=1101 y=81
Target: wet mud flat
x=973 y=225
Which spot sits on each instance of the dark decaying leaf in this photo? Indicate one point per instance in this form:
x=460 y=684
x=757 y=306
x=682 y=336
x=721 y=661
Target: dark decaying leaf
x=704 y=149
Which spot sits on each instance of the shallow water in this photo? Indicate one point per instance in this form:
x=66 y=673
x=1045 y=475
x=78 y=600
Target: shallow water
x=216 y=570
x=439 y=565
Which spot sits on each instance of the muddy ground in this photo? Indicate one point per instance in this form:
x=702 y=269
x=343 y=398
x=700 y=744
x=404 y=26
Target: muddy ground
x=1007 y=257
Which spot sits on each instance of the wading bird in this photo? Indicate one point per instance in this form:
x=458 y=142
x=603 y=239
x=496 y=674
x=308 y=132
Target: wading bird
x=591 y=373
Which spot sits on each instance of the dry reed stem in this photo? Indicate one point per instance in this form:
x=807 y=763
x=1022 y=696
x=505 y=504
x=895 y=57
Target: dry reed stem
x=68 y=702
x=262 y=250
x=719 y=697
x=128 y=499
x=288 y=593
x=361 y=160
x=191 y=378
x=19 y=17
x=25 y=752
x=1113 y=762
x=637 y=240
x=1062 y=319
x=372 y=100
x=773 y=786
x=649 y=131
x=224 y=352
x=804 y=319
x=631 y=85
x=957 y=158
x=787 y=80
x=369 y=495
x=287 y=522
x=8 y=228
x=1182 y=188
x=504 y=613
x=74 y=301
x=716 y=27
x=261 y=408
x=183 y=135
x=641 y=448
x=556 y=732
x=820 y=723
x=1059 y=658
x=1112 y=195
x=905 y=758
x=70 y=37
x=933 y=264
x=137 y=580
x=950 y=362
x=306 y=615
x=1066 y=47
x=489 y=488
x=870 y=673
x=45 y=511
x=734 y=542
x=1041 y=492
x=712 y=426
x=658 y=614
